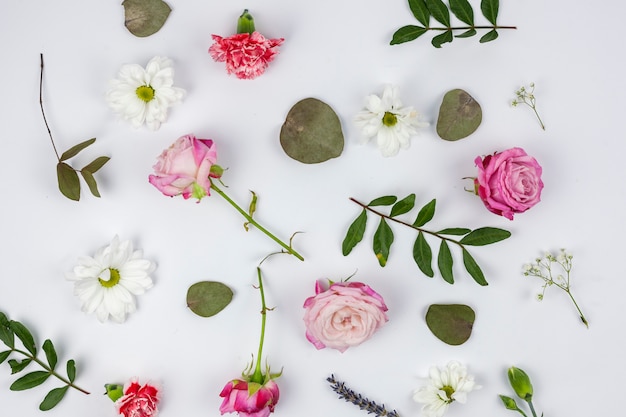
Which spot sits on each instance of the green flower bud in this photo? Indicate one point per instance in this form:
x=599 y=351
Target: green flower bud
x=114 y=391
x=245 y=23
x=520 y=383
x=509 y=402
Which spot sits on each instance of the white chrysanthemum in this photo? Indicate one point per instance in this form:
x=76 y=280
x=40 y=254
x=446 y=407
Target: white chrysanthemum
x=144 y=95
x=386 y=119
x=107 y=283
x=446 y=385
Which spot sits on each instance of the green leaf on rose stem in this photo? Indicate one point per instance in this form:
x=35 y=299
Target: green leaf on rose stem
x=420 y=11
x=6 y=334
x=444 y=261
x=355 y=233
x=4 y=355
x=30 y=380
x=485 y=236
x=472 y=267
x=73 y=151
x=467 y=34
x=451 y=323
x=425 y=214
x=51 y=354
x=439 y=11
x=24 y=335
x=407 y=34
x=509 y=402
x=53 y=398
x=17 y=366
x=145 y=17
x=68 y=181
x=91 y=182
x=312 y=132
x=403 y=206
x=383 y=201
x=71 y=370
x=489 y=36
x=423 y=255
x=459 y=115
x=383 y=239
x=455 y=231
x=490 y=10
x=207 y=298
x=251 y=209
x=445 y=37
x=463 y=11
x=96 y=164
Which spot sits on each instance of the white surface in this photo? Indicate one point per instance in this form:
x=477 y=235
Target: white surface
x=337 y=52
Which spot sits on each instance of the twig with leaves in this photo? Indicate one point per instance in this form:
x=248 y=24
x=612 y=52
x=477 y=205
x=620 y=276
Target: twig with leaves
x=350 y=396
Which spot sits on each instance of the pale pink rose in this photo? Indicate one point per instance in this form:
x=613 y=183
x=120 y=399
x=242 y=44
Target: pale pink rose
x=185 y=167
x=344 y=315
x=237 y=398
x=138 y=401
x=246 y=55
x=508 y=182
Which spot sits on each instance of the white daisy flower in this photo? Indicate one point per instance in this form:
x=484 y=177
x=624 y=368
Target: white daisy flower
x=386 y=119
x=445 y=386
x=144 y=95
x=107 y=283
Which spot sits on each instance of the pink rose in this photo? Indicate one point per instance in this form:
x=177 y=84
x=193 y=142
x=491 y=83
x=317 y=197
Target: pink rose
x=246 y=55
x=185 y=167
x=508 y=182
x=138 y=401
x=249 y=399
x=344 y=315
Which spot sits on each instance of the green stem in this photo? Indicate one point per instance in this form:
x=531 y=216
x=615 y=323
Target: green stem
x=539 y=118
x=257 y=376
x=471 y=27
x=582 y=317
x=41 y=106
x=530 y=404
x=249 y=218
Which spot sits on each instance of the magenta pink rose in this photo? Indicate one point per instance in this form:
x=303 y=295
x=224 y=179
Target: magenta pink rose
x=249 y=399
x=344 y=315
x=508 y=182
x=138 y=401
x=185 y=167
x=246 y=55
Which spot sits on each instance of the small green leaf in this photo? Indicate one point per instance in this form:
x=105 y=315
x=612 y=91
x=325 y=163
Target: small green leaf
x=383 y=201
x=407 y=34
x=485 y=236
x=509 y=403
x=145 y=17
x=73 y=151
x=490 y=10
x=383 y=239
x=455 y=231
x=6 y=334
x=425 y=214
x=71 y=370
x=451 y=323
x=51 y=354
x=439 y=11
x=355 y=233
x=467 y=34
x=489 y=36
x=423 y=255
x=251 y=209
x=30 y=380
x=24 y=335
x=91 y=182
x=207 y=298
x=463 y=11
x=17 y=366
x=403 y=206
x=4 y=355
x=473 y=268
x=96 y=164
x=420 y=11
x=439 y=40
x=459 y=115
x=53 y=398
x=68 y=181
x=444 y=261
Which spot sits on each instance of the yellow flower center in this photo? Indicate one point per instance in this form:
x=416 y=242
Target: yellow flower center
x=145 y=93
x=109 y=278
x=389 y=119
x=449 y=391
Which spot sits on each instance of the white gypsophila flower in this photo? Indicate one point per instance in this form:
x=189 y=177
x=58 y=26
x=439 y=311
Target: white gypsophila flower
x=108 y=283
x=144 y=95
x=445 y=386
x=386 y=119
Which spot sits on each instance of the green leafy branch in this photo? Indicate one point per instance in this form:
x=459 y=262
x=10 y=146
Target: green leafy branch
x=424 y=9
x=67 y=177
x=9 y=329
x=422 y=252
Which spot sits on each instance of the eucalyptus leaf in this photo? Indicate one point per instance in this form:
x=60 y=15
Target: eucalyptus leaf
x=207 y=298
x=485 y=236
x=74 y=150
x=312 y=132
x=489 y=36
x=425 y=214
x=383 y=201
x=68 y=181
x=17 y=366
x=355 y=233
x=459 y=115
x=71 y=370
x=383 y=239
x=423 y=255
x=403 y=206
x=51 y=354
x=473 y=269
x=444 y=262
x=53 y=398
x=490 y=10
x=442 y=38
x=30 y=380
x=407 y=34
x=451 y=323
x=145 y=17
x=439 y=11
x=420 y=11
x=91 y=182
x=463 y=11
x=24 y=335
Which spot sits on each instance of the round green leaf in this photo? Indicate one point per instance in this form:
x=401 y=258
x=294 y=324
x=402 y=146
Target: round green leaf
x=145 y=17
x=459 y=115
x=451 y=323
x=207 y=298
x=312 y=132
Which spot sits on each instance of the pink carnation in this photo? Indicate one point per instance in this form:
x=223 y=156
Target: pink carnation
x=138 y=401
x=246 y=55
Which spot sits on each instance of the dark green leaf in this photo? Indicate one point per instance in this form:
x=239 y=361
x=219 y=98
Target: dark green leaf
x=403 y=206
x=207 y=298
x=51 y=354
x=355 y=233
x=473 y=268
x=383 y=201
x=455 y=231
x=489 y=36
x=425 y=214
x=485 y=236
x=423 y=255
x=24 y=335
x=420 y=11
x=463 y=11
x=459 y=115
x=91 y=182
x=383 y=239
x=444 y=261
x=30 y=380
x=451 y=323
x=145 y=17
x=439 y=11
x=6 y=334
x=96 y=164
x=407 y=34
x=17 y=366
x=490 y=10
x=4 y=355
x=467 y=34
x=73 y=151
x=439 y=40
x=68 y=181
x=53 y=398
x=71 y=370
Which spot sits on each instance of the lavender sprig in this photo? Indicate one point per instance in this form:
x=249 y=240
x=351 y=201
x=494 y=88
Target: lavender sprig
x=357 y=399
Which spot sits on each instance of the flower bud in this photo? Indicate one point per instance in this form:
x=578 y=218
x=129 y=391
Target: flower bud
x=114 y=391
x=520 y=383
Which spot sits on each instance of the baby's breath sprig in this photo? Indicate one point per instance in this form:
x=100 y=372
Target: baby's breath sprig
x=527 y=96
x=542 y=268
x=357 y=399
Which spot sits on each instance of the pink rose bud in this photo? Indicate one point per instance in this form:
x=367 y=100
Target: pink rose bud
x=185 y=167
x=508 y=182
x=138 y=401
x=344 y=315
x=249 y=399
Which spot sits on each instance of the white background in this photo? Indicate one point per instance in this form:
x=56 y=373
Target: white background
x=337 y=51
